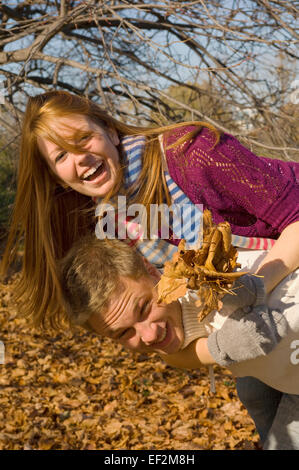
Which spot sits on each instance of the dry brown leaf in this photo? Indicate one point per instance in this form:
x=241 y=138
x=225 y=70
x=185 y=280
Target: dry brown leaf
x=171 y=291
x=210 y=270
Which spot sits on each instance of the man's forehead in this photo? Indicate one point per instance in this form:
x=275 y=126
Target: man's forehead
x=117 y=310
x=129 y=294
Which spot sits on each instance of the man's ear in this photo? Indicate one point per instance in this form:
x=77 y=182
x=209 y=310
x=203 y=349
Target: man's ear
x=152 y=270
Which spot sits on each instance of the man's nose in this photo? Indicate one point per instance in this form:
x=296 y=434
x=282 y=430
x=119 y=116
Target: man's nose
x=148 y=332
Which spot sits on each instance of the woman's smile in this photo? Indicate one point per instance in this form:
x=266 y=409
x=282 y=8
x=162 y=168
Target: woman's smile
x=96 y=175
x=94 y=171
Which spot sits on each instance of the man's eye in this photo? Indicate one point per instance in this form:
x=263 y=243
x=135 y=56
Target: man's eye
x=124 y=334
x=144 y=308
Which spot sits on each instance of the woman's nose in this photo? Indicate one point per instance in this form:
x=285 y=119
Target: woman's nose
x=82 y=159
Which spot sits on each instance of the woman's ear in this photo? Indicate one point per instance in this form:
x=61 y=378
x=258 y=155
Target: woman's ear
x=113 y=135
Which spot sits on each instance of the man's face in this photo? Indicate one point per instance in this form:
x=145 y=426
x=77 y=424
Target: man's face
x=135 y=319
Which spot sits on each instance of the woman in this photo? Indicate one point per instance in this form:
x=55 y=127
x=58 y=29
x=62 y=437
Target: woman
x=73 y=152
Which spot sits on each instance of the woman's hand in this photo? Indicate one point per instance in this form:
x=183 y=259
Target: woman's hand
x=249 y=291
x=282 y=259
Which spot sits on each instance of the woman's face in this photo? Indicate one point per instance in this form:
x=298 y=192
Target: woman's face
x=92 y=172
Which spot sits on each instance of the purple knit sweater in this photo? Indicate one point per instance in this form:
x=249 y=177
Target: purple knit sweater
x=258 y=196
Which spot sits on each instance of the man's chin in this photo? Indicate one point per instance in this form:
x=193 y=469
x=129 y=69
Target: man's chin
x=172 y=349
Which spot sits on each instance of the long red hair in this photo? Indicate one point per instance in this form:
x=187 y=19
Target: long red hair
x=47 y=217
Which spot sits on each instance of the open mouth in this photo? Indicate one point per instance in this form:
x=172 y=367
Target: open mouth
x=94 y=172
x=164 y=335
x=164 y=340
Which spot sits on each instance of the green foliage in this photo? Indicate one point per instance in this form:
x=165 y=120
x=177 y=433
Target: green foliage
x=7 y=187
x=198 y=97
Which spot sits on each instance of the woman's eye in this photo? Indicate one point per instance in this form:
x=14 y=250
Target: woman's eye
x=60 y=156
x=84 y=138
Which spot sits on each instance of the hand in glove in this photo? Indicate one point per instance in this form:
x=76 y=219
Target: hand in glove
x=249 y=291
x=247 y=335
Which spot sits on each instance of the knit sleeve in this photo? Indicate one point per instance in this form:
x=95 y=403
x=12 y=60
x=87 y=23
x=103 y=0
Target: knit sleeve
x=229 y=179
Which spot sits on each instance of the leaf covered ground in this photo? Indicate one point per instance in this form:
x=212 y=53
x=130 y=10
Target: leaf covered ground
x=78 y=391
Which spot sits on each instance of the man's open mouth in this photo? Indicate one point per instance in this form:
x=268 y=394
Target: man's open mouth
x=165 y=338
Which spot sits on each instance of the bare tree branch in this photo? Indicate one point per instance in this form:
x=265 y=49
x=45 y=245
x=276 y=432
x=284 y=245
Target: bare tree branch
x=230 y=63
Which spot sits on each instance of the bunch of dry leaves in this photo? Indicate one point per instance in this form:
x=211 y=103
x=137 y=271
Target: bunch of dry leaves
x=78 y=391
x=209 y=270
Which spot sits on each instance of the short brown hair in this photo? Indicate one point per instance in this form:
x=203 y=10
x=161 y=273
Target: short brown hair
x=91 y=273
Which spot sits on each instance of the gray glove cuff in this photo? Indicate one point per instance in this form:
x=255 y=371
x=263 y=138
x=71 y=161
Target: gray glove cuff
x=259 y=291
x=247 y=336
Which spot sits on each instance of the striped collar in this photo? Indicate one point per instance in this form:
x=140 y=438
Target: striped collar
x=186 y=225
